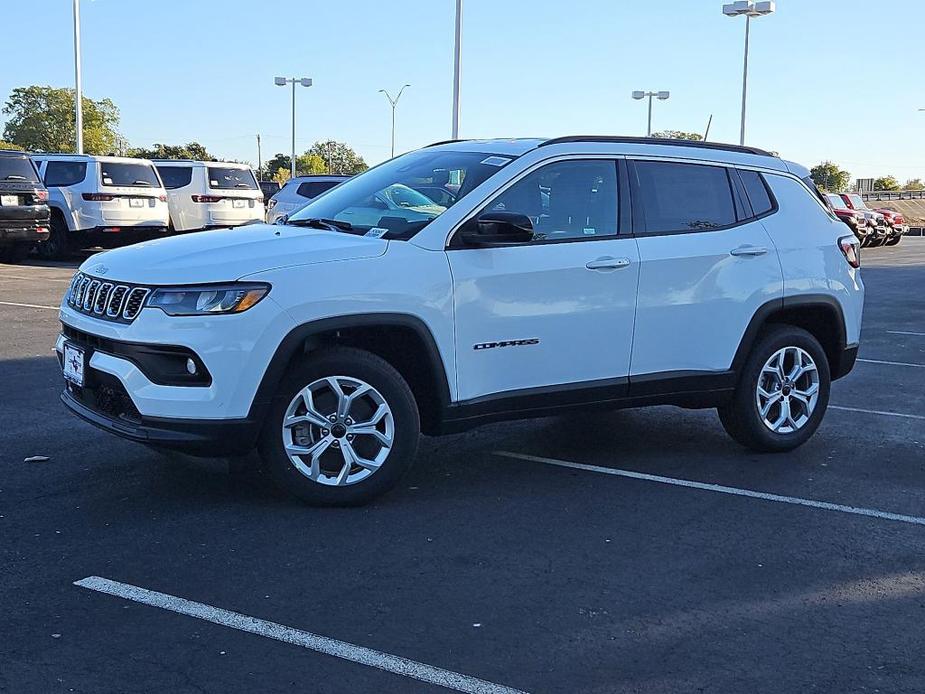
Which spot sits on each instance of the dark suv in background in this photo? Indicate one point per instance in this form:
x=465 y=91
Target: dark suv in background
x=23 y=206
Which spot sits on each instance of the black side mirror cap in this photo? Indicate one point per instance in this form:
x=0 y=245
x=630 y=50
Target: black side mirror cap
x=500 y=229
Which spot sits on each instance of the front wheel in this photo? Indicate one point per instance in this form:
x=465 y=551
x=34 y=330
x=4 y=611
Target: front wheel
x=895 y=240
x=782 y=394
x=342 y=430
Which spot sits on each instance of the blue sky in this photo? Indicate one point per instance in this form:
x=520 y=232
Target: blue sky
x=827 y=80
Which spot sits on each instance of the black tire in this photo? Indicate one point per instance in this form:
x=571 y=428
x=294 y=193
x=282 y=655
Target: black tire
x=894 y=241
x=56 y=246
x=15 y=253
x=741 y=418
x=372 y=370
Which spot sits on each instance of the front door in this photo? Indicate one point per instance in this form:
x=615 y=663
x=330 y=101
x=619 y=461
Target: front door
x=555 y=314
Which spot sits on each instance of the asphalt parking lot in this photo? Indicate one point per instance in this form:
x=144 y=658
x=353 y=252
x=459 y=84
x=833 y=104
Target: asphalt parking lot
x=636 y=551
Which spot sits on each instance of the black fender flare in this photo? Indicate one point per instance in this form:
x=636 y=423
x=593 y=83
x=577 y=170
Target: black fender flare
x=295 y=340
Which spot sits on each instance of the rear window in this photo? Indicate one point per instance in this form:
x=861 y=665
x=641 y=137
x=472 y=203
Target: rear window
x=229 y=179
x=312 y=189
x=175 y=176
x=65 y=173
x=757 y=192
x=684 y=197
x=131 y=175
x=17 y=169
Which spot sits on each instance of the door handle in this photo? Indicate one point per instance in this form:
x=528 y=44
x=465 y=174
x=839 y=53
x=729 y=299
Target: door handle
x=607 y=263
x=748 y=251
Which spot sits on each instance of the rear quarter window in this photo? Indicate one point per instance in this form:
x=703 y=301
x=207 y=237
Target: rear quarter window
x=175 y=176
x=312 y=189
x=65 y=173
x=757 y=192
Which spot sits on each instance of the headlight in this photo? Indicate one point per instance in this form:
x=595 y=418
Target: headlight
x=208 y=299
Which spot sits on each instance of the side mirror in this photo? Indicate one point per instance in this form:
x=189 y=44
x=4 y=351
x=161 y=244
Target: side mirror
x=500 y=229
x=281 y=220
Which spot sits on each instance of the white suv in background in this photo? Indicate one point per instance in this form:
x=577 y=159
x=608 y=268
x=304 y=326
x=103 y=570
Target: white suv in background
x=210 y=195
x=579 y=273
x=100 y=201
x=298 y=192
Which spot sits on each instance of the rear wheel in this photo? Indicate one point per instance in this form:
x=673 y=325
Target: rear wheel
x=782 y=394
x=56 y=246
x=16 y=253
x=342 y=430
x=895 y=240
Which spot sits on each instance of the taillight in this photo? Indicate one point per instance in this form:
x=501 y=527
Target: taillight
x=98 y=197
x=851 y=249
x=41 y=196
x=207 y=198
x=162 y=198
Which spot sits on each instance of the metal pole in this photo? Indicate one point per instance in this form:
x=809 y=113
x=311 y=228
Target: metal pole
x=259 y=160
x=393 y=128
x=78 y=90
x=292 y=161
x=649 y=129
x=456 y=61
x=748 y=24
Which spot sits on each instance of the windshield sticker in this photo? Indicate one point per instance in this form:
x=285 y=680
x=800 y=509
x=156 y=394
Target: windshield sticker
x=376 y=232
x=589 y=230
x=496 y=161
x=107 y=181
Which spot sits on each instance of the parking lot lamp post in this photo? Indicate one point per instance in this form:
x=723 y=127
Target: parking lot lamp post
x=661 y=96
x=750 y=9
x=394 y=103
x=457 y=51
x=78 y=90
x=282 y=82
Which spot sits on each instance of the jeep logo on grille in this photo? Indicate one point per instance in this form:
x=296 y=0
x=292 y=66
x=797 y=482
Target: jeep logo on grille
x=100 y=269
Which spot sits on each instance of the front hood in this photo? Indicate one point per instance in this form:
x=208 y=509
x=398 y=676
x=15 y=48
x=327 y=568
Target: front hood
x=227 y=254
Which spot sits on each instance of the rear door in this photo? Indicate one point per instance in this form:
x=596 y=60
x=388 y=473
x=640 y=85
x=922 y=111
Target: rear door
x=706 y=265
x=62 y=177
x=554 y=316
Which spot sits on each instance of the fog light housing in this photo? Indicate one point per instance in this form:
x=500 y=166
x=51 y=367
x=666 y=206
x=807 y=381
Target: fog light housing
x=190 y=367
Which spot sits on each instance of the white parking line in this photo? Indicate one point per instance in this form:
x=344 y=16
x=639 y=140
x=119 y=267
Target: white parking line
x=877 y=412
x=13 y=303
x=905 y=332
x=704 y=486
x=892 y=363
x=314 y=642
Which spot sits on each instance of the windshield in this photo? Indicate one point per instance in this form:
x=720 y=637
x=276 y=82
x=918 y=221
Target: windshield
x=225 y=178
x=857 y=202
x=835 y=201
x=132 y=175
x=17 y=169
x=398 y=199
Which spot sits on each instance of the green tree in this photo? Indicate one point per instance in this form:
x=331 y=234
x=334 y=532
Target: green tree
x=829 y=177
x=914 y=184
x=886 y=183
x=281 y=175
x=42 y=119
x=272 y=166
x=338 y=157
x=677 y=135
x=191 y=150
x=8 y=145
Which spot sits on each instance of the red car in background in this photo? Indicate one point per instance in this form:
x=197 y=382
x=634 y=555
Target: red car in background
x=897 y=223
x=856 y=221
x=884 y=234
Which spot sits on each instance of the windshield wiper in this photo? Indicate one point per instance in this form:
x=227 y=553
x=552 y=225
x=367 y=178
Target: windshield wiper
x=318 y=223
x=141 y=183
x=14 y=177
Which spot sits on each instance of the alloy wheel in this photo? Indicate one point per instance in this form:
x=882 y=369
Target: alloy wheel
x=787 y=390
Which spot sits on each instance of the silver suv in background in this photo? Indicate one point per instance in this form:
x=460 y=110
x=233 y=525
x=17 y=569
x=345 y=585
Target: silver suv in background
x=101 y=201
x=298 y=192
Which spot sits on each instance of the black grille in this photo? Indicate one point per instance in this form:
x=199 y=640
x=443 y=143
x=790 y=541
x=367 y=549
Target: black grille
x=107 y=300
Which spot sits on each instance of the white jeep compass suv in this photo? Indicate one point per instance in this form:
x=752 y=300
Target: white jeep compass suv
x=566 y=274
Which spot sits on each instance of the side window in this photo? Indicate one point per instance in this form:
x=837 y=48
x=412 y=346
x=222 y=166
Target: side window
x=313 y=189
x=757 y=192
x=675 y=197
x=565 y=200
x=65 y=173
x=175 y=176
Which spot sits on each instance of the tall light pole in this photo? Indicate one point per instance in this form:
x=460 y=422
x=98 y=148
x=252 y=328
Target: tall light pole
x=750 y=9
x=282 y=82
x=661 y=96
x=456 y=59
x=259 y=160
x=78 y=89
x=394 y=103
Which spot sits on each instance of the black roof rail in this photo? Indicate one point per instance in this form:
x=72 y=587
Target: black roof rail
x=657 y=141
x=444 y=142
